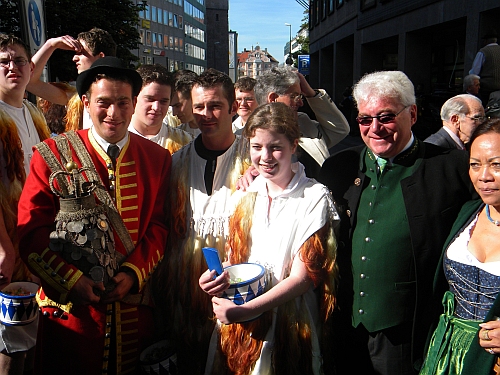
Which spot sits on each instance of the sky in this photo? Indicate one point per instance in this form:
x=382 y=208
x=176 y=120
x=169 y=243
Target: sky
x=262 y=22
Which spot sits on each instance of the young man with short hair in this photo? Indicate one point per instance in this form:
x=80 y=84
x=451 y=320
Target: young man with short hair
x=22 y=126
x=152 y=106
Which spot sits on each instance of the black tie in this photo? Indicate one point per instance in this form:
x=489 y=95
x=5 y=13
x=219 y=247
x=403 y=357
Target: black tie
x=113 y=152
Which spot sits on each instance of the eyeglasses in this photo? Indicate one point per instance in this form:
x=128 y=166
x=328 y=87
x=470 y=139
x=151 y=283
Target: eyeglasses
x=294 y=97
x=5 y=63
x=477 y=118
x=245 y=100
x=386 y=118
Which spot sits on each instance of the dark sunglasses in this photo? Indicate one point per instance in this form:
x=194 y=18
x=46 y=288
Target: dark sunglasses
x=386 y=118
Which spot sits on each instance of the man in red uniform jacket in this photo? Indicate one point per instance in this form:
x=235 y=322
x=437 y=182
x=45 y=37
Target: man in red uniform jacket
x=83 y=331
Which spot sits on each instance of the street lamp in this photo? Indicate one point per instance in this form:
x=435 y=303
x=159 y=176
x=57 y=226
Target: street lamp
x=289 y=60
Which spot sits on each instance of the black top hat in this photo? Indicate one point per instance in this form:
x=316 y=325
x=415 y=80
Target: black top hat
x=112 y=67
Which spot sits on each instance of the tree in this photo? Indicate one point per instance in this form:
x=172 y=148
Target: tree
x=69 y=17
x=9 y=21
x=302 y=39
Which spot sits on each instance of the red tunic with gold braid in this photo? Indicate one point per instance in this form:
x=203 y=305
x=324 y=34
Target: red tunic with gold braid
x=97 y=338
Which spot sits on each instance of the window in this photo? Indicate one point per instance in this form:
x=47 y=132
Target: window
x=165 y=41
x=153 y=14
x=148 y=38
x=176 y=43
x=170 y=19
x=160 y=40
x=154 y=40
x=176 y=22
x=147 y=13
x=160 y=13
x=141 y=14
x=165 y=17
x=141 y=34
x=181 y=26
x=171 y=42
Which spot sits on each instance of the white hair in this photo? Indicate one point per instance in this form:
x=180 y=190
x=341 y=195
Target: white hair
x=385 y=84
x=457 y=105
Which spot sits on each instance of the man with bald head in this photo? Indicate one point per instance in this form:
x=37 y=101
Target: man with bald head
x=461 y=115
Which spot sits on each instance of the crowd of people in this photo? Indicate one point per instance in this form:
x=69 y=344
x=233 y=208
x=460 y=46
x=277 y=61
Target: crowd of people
x=110 y=191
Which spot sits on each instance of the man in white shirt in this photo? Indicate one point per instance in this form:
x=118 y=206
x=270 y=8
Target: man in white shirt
x=89 y=46
x=152 y=106
x=182 y=105
x=23 y=126
x=461 y=115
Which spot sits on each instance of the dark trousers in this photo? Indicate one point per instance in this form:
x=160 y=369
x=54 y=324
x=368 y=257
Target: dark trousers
x=386 y=352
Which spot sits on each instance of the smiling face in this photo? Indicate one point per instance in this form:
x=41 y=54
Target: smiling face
x=213 y=115
x=14 y=78
x=271 y=155
x=84 y=59
x=387 y=140
x=110 y=106
x=246 y=103
x=484 y=170
x=151 y=108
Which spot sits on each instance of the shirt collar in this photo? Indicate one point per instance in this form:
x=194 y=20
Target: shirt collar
x=105 y=144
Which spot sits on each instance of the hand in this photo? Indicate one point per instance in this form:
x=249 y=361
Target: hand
x=228 y=312
x=212 y=285
x=82 y=292
x=306 y=89
x=7 y=264
x=489 y=336
x=244 y=182
x=66 y=42
x=123 y=283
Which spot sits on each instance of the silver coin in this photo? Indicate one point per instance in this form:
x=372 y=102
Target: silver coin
x=78 y=226
x=62 y=235
x=81 y=239
x=86 y=251
x=96 y=244
x=102 y=216
x=97 y=274
x=68 y=247
x=92 y=259
x=55 y=246
x=91 y=234
x=103 y=242
x=106 y=259
x=54 y=235
x=76 y=254
x=92 y=219
x=69 y=226
x=85 y=221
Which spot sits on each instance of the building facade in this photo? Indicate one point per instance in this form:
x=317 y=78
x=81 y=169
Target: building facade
x=433 y=41
x=173 y=34
x=216 y=20
x=254 y=62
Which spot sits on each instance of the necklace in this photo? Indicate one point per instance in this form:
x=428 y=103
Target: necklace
x=496 y=222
